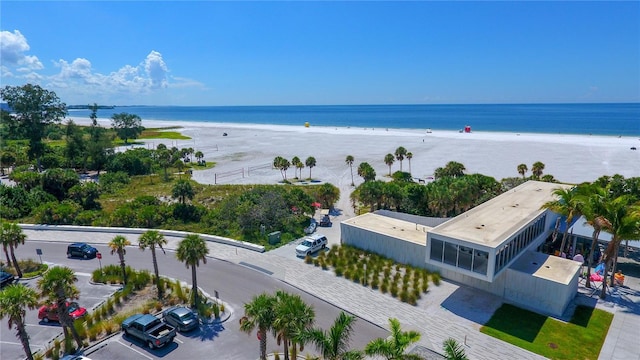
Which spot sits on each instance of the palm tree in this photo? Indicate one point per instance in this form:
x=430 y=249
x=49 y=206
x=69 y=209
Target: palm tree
x=394 y=347
x=333 y=344
x=366 y=171
x=150 y=239
x=409 y=157
x=281 y=164
x=566 y=204
x=310 y=162
x=259 y=314
x=295 y=162
x=178 y=163
x=536 y=169
x=455 y=169
x=191 y=251
x=119 y=245
x=453 y=350
x=522 y=169
x=292 y=316
x=400 y=154
x=57 y=286
x=592 y=199
x=624 y=224
x=389 y=159
x=183 y=190
x=199 y=156
x=11 y=236
x=13 y=301
x=349 y=161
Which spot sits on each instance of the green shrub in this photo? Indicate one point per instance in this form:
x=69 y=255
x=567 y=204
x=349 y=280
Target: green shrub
x=338 y=271
x=68 y=345
x=384 y=287
x=404 y=296
x=412 y=299
x=394 y=290
x=374 y=283
x=435 y=278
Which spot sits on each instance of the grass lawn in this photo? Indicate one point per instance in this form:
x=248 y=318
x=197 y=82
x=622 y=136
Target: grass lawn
x=162 y=134
x=581 y=338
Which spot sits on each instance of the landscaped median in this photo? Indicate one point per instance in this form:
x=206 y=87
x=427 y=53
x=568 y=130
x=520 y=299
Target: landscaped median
x=138 y=296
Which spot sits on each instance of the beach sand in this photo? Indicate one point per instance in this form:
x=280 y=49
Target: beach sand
x=244 y=155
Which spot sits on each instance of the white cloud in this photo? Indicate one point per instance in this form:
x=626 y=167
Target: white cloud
x=156 y=70
x=79 y=77
x=77 y=82
x=13 y=46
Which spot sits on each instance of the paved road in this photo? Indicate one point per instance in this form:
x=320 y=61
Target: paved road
x=446 y=311
x=236 y=284
x=40 y=332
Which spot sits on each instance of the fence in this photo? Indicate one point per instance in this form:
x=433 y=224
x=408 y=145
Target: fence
x=233 y=173
x=257 y=168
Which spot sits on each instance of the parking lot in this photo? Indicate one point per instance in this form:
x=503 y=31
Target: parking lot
x=42 y=334
x=210 y=341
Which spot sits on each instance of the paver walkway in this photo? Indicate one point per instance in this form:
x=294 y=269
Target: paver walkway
x=446 y=311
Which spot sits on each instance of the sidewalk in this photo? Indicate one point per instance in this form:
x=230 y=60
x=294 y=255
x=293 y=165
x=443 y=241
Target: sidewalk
x=446 y=311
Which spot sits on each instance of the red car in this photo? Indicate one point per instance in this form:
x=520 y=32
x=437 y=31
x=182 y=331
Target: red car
x=50 y=313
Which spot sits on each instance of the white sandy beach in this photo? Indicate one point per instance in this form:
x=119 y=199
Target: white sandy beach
x=569 y=158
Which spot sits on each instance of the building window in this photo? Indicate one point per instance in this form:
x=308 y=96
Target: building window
x=480 y=259
x=450 y=254
x=437 y=246
x=465 y=257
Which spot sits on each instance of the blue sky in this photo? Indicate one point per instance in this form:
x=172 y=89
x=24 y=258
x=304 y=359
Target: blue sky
x=294 y=53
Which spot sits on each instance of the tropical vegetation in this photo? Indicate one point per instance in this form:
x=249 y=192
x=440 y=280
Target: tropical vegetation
x=14 y=300
x=193 y=250
x=58 y=287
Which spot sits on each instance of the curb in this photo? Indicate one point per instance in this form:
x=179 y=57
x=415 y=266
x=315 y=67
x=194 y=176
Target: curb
x=175 y=233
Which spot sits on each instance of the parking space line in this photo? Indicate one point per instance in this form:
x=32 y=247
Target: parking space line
x=10 y=343
x=132 y=349
x=178 y=340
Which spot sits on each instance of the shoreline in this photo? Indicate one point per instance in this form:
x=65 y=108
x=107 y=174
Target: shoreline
x=245 y=154
x=409 y=132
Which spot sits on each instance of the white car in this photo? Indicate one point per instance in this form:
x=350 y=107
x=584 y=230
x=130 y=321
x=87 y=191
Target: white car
x=311 y=244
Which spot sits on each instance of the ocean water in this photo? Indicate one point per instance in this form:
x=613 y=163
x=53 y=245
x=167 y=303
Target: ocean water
x=597 y=119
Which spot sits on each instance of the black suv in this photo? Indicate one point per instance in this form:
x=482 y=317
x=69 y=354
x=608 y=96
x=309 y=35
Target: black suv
x=81 y=250
x=6 y=278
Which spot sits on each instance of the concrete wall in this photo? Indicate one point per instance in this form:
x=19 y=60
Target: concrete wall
x=181 y=234
x=541 y=295
x=496 y=287
x=405 y=252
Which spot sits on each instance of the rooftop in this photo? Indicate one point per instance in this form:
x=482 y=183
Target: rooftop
x=544 y=266
x=400 y=229
x=492 y=222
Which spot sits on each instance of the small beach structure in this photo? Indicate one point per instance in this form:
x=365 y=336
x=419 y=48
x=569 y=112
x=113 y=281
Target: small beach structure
x=494 y=247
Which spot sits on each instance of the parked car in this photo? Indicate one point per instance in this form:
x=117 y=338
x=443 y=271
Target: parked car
x=326 y=221
x=181 y=318
x=6 y=278
x=148 y=328
x=50 y=313
x=74 y=357
x=311 y=244
x=313 y=225
x=81 y=250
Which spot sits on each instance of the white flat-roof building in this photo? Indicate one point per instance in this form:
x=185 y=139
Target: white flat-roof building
x=490 y=247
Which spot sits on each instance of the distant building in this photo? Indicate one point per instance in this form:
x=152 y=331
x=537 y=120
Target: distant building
x=491 y=247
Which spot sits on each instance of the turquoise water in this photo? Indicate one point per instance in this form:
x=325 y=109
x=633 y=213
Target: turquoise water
x=597 y=119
